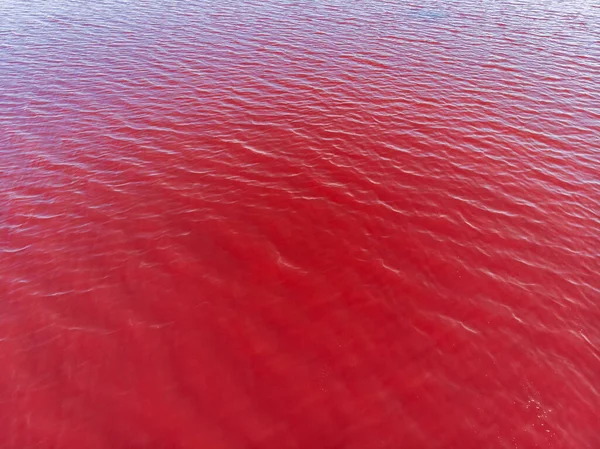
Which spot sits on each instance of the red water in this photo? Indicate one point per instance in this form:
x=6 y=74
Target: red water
x=308 y=224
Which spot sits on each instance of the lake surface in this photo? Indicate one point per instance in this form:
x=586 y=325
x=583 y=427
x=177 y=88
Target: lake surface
x=300 y=224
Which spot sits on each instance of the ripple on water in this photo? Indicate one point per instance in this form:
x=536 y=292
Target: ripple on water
x=232 y=224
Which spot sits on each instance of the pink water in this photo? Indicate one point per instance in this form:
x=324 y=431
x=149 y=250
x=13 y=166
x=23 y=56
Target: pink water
x=311 y=224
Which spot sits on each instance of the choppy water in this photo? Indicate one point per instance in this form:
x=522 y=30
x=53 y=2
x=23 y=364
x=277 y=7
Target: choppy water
x=292 y=224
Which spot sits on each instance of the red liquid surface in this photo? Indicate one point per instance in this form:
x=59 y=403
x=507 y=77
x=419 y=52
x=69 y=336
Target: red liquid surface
x=305 y=224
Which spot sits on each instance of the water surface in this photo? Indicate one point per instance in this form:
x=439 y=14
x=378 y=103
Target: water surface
x=293 y=224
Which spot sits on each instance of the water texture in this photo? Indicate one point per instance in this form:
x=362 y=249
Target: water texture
x=300 y=224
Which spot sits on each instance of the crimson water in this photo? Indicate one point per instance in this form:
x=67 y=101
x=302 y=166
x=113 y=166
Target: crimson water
x=293 y=224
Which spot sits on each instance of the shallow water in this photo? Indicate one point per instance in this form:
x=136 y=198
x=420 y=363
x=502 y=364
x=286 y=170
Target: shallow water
x=296 y=224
